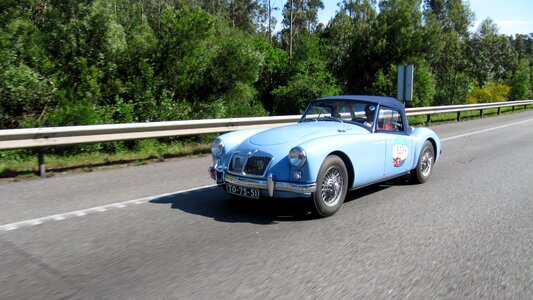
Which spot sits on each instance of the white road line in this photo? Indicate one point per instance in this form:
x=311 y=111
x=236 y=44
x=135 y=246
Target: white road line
x=93 y=210
x=483 y=131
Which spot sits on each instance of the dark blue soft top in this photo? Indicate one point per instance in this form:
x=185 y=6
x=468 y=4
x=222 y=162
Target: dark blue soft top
x=385 y=101
x=382 y=101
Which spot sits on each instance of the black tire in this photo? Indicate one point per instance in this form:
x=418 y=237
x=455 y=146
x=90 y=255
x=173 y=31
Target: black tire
x=331 y=187
x=426 y=159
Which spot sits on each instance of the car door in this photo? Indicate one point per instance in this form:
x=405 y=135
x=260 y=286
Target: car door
x=398 y=144
x=368 y=150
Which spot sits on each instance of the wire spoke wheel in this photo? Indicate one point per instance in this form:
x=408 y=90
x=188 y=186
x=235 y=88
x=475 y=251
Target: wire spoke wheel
x=423 y=169
x=332 y=186
x=426 y=162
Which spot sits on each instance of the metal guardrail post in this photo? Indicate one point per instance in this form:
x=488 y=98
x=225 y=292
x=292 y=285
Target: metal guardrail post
x=499 y=110
x=481 y=113
x=458 y=116
x=428 y=120
x=42 y=166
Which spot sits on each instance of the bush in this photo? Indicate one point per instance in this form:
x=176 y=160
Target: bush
x=491 y=92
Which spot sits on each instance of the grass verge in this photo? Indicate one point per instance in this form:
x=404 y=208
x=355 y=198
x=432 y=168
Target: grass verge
x=465 y=115
x=22 y=164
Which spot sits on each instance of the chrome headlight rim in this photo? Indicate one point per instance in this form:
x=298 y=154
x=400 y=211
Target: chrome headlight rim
x=217 y=147
x=297 y=157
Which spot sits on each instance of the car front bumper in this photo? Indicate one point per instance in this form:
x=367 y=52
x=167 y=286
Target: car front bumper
x=270 y=185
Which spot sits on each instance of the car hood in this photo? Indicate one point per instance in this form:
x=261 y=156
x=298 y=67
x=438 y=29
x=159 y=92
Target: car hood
x=301 y=132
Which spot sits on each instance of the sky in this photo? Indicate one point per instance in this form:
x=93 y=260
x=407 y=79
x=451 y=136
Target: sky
x=512 y=16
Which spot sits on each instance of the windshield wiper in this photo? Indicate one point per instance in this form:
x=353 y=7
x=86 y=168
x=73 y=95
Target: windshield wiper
x=328 y=118
x=310 y=120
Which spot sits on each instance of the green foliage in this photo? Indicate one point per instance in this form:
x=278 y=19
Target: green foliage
x=23 y=94
x=293 y=98
x=70 y=114
x=521 y=82
x=310 y=78
x=449 y=22
x=25 y=89
x=354 y=55
x=491 y=92
x=491 y=55
x=399 y=31
x=142 y=41
x=424 y=86
x=274 y=72
x=340 y=34
x=384 y=82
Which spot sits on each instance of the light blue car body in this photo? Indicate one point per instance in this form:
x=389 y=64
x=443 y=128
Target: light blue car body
x=367 y=154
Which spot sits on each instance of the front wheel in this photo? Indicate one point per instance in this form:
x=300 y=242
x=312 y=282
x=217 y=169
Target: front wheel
x=332 y=186
x=421 y=173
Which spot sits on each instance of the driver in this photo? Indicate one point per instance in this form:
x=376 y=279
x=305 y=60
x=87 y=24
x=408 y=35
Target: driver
x=370 y=110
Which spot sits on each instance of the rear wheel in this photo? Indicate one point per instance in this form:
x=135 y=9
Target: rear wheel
x=332 y=186
x=423 y=169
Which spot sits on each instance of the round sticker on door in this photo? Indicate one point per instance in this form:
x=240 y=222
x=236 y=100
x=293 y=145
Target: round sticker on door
x=400 y=151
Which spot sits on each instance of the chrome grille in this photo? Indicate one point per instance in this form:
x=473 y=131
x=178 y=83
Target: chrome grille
x=249 y=165
x=256 y=165
x=237 y=163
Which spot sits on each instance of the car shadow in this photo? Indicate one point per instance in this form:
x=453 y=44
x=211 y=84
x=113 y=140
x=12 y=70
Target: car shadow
x=213 y=202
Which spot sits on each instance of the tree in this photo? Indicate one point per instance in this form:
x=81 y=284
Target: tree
x=400 y=32
x=266 y=22
x=312 y=7
x=293 y=20
x=360 y=10
x=274 y=73
x=26 y=69
x=244 y=14
x=491 y=54
x=299 y=16
x=310 y=78
x=453 y=15
x=521 y=82
x=452 y=18
x=340 y=35
x=350 y=35
x=208 y=66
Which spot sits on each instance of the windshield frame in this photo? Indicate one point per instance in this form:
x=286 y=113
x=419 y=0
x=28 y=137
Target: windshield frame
x=337 y=112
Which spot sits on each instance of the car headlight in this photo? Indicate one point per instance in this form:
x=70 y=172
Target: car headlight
x=217 y=147
x=297 y=157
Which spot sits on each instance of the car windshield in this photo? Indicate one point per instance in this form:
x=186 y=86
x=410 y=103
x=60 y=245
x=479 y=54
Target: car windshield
x=353 y=112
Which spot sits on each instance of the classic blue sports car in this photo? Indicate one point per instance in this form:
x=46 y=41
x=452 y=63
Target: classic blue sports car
x=341 y=143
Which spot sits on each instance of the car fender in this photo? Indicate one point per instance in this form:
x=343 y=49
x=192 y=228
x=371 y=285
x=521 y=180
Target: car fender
x=318 y=149
x=420 y=135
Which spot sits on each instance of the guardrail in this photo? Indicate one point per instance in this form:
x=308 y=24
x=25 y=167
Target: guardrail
x=43 y=138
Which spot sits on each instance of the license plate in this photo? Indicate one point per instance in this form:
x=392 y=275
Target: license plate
x=242 y=191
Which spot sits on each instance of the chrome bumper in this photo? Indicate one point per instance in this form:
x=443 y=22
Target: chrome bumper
x=271 y=185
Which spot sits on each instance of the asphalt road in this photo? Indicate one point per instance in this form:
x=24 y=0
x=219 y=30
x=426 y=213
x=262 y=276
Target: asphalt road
x=150 y=232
